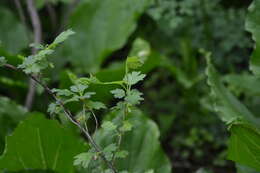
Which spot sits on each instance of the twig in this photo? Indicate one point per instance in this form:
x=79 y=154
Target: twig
x=69 y=116
x=37 y=30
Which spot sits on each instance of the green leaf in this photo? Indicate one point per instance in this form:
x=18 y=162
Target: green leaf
x=10 y=115
x=96 y=105
x=244 y=145
x=83 y=159
x=79 y=88
x=127 y=126
x=245 y=169
x=141 y=49
x=108 y=125
x=62 y=92
x=253 y=26
x=102 y=26
x=13 y=35
x=134 y=97
x=121 y=154
x=145 y=152
x=63 y=36
x=133 y=62
x=134 y=77
x=38 y=143
x=2 y=61
x=118 y=93
x=228 y=106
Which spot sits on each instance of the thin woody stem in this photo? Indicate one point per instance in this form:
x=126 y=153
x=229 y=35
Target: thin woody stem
x=37 y=30
x=69 y=116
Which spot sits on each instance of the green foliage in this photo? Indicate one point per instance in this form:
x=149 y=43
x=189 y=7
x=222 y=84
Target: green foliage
x=2 y=61
x=142 y=144
x=13 y=35
x=133 y=78
x=252 y=25
x=38 y=143
x=10 y=115
x=34 y=64
x=225 y=103
x=83 y=159
x=244 y=145
x=102 y=27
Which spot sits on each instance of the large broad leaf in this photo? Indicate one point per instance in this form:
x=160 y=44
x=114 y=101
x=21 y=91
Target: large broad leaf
x=228 y=106
x=13 y=34
x=245 y=169
x=244 y=145
x=10 y=115
x=253 y=26
x=101 y=26
x=38 y=143
x=142 y=143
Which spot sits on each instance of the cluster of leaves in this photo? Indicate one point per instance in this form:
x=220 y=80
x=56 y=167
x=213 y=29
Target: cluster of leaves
x=242 y=124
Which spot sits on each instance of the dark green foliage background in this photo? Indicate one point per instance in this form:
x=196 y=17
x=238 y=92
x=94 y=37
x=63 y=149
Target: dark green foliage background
x=175 y=90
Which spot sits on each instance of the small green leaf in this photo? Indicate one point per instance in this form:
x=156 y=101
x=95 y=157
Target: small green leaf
x=96 y=105
x=134 y=97
x=118 y=93
x=79 y=88
x=62 y=92
x=109 y=150
x=225 y=103
x=244 y=145
x=83 y=159
x=133 y=62
x=121 y=154
x=127 y=126
x=108 y=125
x=134 y=77
x=63 y=36
x=2 y=61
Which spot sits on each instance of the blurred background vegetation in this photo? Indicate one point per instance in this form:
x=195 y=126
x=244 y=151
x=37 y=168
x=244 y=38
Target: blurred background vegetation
x=176 y=94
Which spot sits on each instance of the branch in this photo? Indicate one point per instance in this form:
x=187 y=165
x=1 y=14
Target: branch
x=37 y=40
x=68 y=115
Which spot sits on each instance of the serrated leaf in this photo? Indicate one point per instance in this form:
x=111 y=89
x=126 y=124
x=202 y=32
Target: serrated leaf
x=133 y=77
x=121 y=154
x=253 y=26
x=62 y=92
x=127 y=126
x=133 y=62
x=244 y=145
x=83 y=159
x=228 y=106
x=38 y=143
x=78 y=88
x=142 y=143
x=109 y=151
x=96 y=105
x=63 y=36
x=134 y=97
x=118 y=93
x=108 y=125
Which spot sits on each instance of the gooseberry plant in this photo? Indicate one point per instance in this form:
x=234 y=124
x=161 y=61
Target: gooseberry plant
x=34 y=66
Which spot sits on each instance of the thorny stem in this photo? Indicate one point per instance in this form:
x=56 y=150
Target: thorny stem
x=69 y=116
x=37 y=30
